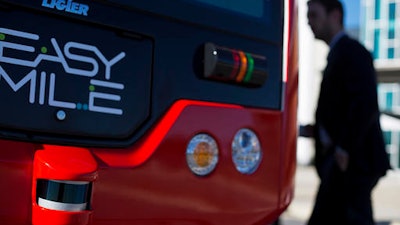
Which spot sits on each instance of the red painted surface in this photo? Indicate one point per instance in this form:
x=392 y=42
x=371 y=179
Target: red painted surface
x=67 y=164
x=54 y=162
x=141 y=152
x=150 y=183
x=164 y=189
x=42 y=216
x=288 y=153
x=16 y=182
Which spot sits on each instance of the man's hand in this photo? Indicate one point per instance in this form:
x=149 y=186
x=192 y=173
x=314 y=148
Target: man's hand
x=306 y=131
x=342 y=158
x=324 y=137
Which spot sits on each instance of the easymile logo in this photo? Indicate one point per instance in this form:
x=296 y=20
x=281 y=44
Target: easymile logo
x=42 y=83
x=67 y=5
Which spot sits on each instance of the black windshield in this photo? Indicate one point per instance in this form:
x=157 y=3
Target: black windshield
x=254 y=18
x=253 y=8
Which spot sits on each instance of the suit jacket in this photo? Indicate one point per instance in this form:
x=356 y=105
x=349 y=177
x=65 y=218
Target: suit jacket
x=348 y=108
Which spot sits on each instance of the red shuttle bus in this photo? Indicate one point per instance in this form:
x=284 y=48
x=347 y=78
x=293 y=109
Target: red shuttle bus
x=147 y=112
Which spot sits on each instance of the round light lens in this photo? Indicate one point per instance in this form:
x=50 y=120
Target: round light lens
x=246 y=151
x=202 y=154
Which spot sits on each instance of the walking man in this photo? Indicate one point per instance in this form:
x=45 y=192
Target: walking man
x=350 y=152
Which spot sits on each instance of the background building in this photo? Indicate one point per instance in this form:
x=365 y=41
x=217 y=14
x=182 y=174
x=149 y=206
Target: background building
x=380 y=32
x=376 y=23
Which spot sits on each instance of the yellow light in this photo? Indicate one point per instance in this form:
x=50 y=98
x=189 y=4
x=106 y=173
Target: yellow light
x=202 y=154
x=243 y=67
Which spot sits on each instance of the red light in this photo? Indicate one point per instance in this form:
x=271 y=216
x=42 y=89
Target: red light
x=236 y=61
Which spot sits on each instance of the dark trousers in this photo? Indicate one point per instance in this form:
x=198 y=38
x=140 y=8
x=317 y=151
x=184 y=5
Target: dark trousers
x=343 y=198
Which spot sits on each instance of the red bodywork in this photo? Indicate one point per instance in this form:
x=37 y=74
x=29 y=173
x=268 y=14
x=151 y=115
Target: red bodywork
x=150 y=182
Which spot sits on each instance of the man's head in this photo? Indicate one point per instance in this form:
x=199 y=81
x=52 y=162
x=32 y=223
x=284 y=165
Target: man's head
x=325 y=18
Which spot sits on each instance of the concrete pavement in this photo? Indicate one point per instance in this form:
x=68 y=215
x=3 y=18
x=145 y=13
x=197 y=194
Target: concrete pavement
x=385 y=197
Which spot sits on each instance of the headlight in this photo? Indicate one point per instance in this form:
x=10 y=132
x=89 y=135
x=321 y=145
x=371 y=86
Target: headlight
x=202 y=154
x=246 y=151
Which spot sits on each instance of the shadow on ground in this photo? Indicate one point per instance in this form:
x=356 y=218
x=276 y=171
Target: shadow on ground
x=383 y=223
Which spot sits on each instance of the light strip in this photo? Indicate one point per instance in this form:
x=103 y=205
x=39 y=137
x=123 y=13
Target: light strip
x=243 y=67
x=148 y=145
x=61 y=206
x=236 y=60
x=250 y=70
x=71 y=182
x=286 y=33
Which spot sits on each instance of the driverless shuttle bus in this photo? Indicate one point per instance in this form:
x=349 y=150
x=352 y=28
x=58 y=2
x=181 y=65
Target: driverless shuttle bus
x=121 y=112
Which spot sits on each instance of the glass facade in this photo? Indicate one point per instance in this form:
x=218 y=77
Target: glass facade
x=380 y=29
x=377 y=35
x=377 y=9
x=389 y=101
x=389 y=97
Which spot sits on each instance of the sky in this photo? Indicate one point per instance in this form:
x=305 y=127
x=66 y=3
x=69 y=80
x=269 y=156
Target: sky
x=352 y=13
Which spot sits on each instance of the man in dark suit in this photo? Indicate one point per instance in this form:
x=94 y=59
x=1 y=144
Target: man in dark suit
x=350 y=152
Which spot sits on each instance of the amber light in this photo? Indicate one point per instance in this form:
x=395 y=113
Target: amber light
x=202 y=154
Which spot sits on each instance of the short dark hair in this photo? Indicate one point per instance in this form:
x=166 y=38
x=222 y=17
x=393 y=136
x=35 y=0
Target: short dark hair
x=331 y=5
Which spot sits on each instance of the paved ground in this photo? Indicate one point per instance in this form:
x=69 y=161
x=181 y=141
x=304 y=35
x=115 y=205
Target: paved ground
x=386 y=198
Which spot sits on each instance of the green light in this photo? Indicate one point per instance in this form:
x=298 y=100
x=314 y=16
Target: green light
x=250 y=68
x=2 y=36
x=43 y=50
x=91 y=88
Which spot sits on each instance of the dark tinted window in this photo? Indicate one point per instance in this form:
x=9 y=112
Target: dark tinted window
x=262 y=19
x=254 y=8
